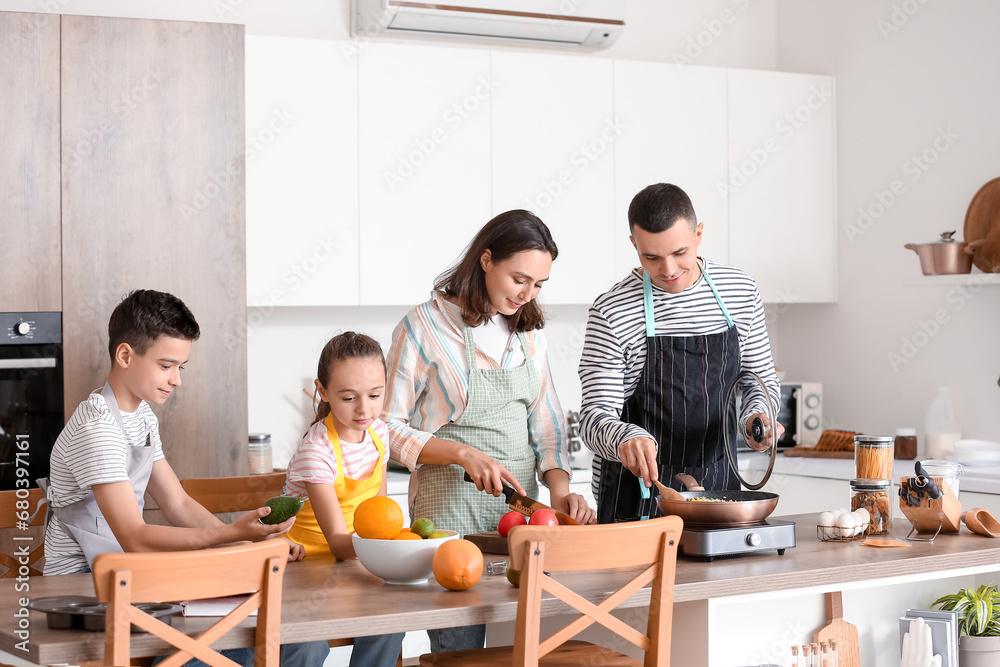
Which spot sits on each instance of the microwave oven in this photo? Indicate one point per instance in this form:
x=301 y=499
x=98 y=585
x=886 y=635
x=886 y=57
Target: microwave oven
x=801 y=413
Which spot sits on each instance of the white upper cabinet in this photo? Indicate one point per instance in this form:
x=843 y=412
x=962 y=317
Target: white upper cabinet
x=302 y=172
x=673 y=130
x=554 y=137
x=781 y=184
x=424 y=141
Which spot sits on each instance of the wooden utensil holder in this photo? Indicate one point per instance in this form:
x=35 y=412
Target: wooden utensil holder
x=944 y=513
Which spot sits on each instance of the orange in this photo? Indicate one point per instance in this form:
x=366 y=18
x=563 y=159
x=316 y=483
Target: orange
x=407 y=535
x=458 y=564
x=378 y=518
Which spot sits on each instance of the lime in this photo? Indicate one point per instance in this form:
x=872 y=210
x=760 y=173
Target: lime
x=438 y=533
x=514 y=577
x=423 y=527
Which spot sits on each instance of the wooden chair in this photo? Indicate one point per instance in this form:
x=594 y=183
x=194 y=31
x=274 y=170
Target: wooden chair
x=122 y=580
x=12 y=509
x=234 y=494
x=537 y=550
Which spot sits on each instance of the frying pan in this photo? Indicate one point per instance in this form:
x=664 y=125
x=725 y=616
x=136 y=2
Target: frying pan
x=723 y=508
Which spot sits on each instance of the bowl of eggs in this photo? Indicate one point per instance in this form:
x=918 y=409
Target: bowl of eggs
x=843 y=525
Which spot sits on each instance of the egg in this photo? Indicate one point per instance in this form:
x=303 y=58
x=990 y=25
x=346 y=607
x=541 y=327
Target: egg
x=845 y=522
x=861 y=518
x=826 y=522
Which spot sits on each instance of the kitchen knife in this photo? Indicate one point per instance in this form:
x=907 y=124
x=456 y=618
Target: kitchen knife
x=527 y=506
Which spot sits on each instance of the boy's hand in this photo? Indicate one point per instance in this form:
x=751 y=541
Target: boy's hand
x=255 y=531
x=295 y=550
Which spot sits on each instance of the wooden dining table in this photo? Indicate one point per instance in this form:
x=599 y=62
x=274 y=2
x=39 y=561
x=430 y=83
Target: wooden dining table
x=323 y=599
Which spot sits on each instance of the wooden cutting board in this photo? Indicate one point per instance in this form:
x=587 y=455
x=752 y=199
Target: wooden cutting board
x=490 y=542
x=839 y=630
x=812 y=452
x=982 y=221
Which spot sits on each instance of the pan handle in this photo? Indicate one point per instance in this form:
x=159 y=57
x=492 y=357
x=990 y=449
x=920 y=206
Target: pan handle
x=689 y=482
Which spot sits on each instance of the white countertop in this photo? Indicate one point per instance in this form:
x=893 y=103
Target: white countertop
x=975 y=479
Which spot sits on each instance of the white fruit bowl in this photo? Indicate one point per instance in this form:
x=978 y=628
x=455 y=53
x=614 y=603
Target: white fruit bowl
x=399 y=561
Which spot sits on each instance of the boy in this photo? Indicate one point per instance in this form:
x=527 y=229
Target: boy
x=109 y=454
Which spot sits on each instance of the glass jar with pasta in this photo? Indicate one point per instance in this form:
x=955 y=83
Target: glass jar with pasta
x=873 y=496
x=873 y=456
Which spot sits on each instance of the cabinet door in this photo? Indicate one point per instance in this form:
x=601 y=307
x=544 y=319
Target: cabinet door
x=781 y=185
x=29 y=171
x=424 y=142
x=673 y=123
x=302 y=173
x=153 y=198
x=554 y=139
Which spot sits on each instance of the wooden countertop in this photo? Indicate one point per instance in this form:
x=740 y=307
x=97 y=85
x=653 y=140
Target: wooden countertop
x=323 y=600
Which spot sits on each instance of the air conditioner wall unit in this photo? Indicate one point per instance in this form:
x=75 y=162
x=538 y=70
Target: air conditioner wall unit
x=586 y=25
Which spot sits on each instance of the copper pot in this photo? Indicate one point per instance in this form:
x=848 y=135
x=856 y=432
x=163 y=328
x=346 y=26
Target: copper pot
x=945 y=257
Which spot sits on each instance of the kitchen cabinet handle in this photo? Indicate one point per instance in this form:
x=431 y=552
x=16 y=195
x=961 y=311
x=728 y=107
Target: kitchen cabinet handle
x=41 y=362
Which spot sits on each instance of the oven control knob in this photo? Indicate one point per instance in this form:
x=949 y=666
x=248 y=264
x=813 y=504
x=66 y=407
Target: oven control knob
x=753 y=539
x=812 y=400
x=811 y=422
x=22 y=328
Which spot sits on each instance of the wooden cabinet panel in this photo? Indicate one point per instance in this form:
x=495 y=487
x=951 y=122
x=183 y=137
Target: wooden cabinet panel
x=29 y=169
x=553 y=153
x=673 y=130
x=153 y=197
x=302 y=173
x=424 y=179
x=781 y=185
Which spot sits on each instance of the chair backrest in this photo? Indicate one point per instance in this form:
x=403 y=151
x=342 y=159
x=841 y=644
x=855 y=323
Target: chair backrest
x=124 y=579
x=234 y=494
x=650 y=545
x=16 y=510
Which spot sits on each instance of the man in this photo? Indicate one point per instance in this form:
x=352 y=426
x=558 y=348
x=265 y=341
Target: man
x=662 y=348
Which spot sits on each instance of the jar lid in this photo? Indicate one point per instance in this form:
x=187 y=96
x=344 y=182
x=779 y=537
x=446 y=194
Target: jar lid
x=943 y=465
x=906 y=431
x=260 y=437
x=862 y=484
x=873 y=440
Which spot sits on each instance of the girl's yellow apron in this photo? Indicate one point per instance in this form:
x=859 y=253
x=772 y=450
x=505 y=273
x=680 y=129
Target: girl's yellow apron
x=350 y=492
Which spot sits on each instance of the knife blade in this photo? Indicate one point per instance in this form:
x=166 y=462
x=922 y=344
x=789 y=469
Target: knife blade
x=527 y=506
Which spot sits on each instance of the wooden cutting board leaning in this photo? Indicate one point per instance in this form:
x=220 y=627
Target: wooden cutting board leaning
x=840 y=631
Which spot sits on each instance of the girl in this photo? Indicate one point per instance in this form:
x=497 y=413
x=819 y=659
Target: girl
x=342 y=462
x=470 y=391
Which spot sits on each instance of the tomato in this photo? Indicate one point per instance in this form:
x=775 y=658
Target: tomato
x=509 y=520
x=543 y=518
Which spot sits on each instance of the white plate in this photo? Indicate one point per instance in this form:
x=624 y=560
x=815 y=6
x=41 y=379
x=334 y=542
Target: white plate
x=977 y=452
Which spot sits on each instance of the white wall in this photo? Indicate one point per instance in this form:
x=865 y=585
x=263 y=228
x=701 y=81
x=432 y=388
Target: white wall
x=898 y=91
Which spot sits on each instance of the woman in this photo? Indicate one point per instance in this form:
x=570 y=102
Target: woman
x=469 y=391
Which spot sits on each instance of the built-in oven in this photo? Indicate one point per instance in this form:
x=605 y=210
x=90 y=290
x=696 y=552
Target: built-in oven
x=31 y=395
x=801 y=413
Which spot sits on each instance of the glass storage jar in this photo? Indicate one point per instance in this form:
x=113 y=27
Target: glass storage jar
x=873 y=456
x=905 y=443
x=260 y=454
x=949 y=470
x=873 y=495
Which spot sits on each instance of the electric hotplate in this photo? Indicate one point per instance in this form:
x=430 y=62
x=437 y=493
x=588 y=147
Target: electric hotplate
x=711 y=542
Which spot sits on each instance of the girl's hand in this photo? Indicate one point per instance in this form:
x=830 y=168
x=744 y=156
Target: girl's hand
x=488 y=474
x=575 y=506
x=295 y=550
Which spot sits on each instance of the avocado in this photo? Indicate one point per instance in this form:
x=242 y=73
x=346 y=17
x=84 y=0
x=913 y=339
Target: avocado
x=283 y=508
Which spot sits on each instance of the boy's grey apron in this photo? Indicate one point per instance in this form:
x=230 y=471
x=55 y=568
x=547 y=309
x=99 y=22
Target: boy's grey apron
x=680 y=401
x=83 y=519
x=495 y=421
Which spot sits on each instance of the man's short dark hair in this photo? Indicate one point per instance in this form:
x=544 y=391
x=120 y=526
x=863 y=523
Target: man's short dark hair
x=145 y=315
x=657 y=207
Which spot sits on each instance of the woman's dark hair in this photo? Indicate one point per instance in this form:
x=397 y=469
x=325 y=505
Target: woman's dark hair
x=348 y=345
x=657 y=207
x=505 y=235
x=144 y=315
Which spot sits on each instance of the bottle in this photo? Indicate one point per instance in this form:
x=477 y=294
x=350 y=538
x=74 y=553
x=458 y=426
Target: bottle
x=941 y=427
x=260 y=454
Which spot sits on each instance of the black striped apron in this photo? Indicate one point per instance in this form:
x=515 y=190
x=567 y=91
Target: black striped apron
x=679 y=401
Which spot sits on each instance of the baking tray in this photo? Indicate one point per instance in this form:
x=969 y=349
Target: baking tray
x=81 y=612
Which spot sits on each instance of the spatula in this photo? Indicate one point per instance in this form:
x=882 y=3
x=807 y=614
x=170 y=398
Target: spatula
x=667 y=492
x=839 y=630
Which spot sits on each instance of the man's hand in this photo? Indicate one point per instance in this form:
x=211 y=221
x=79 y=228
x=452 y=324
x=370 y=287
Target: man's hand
x=250 y=528
x=639 y=456
x=771 y=436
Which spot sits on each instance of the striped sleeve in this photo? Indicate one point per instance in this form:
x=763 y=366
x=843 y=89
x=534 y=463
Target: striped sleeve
x=313 y=461
x=402 y=393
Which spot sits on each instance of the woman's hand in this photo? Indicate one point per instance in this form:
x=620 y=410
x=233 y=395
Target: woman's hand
x=488 y=474
x=574 y=505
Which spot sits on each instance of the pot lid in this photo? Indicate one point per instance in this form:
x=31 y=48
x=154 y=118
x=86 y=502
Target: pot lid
x=946 y=237
x=755 y=468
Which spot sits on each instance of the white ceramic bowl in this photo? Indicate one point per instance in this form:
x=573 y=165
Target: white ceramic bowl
x=399 y=561
x=977 y=452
